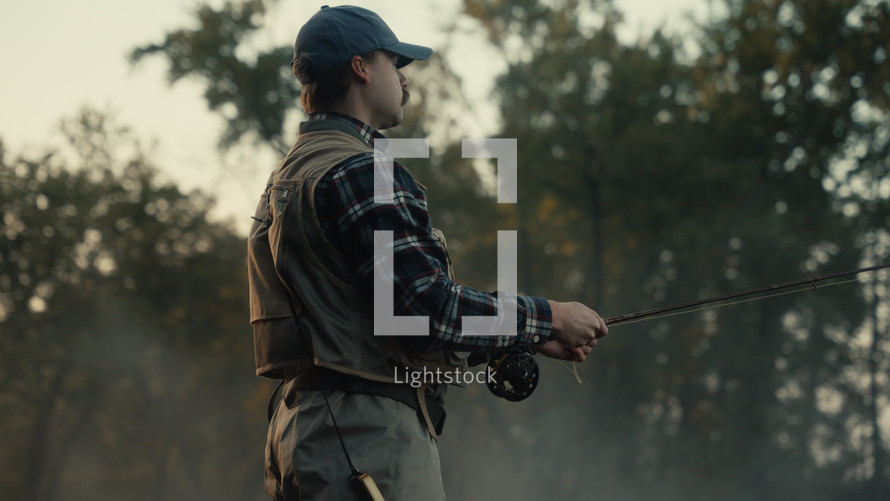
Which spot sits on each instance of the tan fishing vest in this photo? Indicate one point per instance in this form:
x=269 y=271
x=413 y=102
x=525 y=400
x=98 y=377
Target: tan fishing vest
x=305 y=304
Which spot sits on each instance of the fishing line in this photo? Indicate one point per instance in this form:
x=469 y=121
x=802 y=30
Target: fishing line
x=573 y=370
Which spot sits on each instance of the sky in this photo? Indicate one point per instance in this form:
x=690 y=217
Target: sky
x=60 y=55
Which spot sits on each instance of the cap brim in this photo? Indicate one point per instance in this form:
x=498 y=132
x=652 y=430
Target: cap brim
x=409 y=52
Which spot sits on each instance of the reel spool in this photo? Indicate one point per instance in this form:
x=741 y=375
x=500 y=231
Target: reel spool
x=515 y=374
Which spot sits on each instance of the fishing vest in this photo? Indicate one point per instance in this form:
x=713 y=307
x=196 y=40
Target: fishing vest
x=306 y=306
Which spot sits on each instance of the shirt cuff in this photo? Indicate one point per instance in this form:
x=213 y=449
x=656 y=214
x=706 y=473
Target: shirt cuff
x=534 y=328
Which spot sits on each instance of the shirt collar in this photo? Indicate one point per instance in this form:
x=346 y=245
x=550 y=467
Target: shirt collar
x=338 y=121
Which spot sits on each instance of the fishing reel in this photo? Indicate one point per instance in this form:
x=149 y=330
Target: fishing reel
x=514 y=374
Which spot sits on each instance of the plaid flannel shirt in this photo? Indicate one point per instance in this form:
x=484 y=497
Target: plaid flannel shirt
x=349 y=216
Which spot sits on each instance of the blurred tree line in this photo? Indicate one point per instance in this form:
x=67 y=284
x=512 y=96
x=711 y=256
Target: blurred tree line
x=752 y=150
x=121 y=307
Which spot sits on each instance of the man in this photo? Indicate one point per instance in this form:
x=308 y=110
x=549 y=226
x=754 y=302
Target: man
x=312 y=265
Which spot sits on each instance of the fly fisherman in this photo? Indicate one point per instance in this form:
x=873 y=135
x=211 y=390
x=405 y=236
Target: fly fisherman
x=311 y=252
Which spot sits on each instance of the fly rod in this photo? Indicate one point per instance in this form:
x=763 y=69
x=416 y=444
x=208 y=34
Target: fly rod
x=515 y=372
x=811 y=281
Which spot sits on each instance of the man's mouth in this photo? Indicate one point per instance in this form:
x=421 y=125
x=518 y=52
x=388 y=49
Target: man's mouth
x=405 y=97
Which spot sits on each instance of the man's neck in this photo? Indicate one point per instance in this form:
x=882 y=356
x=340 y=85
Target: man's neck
x=355 y=109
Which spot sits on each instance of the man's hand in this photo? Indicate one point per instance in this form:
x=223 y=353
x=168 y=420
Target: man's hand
x=555 y=350
x=575 y=331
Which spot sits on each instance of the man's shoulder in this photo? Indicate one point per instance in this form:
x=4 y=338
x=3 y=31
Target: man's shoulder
x=315 y=154
x=331 y=141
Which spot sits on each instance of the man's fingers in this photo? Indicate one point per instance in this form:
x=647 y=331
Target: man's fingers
x=603 y=328
x=578 y=354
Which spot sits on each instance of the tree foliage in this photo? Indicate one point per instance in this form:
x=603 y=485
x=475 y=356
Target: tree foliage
x=123 y=318
x=253 y=94
x=673 y=175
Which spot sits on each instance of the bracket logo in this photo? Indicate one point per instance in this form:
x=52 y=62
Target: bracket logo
x=386 y=323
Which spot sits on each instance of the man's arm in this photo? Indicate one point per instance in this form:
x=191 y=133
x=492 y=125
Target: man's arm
x=421 y=283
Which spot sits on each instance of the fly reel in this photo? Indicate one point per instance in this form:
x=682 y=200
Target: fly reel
x=514 y=374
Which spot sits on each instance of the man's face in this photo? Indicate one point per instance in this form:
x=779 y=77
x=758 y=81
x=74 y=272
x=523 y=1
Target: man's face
x=388 y=91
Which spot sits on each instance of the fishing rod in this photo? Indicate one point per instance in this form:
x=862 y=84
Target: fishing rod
x=811 y=281
x=515 y=372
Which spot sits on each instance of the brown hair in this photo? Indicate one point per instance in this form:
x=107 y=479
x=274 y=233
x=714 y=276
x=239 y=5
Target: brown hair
x=325 y=92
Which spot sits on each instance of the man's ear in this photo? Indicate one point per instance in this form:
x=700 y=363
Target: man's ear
x=359 y=68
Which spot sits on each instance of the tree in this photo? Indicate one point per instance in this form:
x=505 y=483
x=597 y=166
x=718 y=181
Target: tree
x=123 y=313
x=685 y=175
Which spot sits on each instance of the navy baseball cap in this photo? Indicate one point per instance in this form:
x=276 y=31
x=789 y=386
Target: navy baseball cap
x=334 y=34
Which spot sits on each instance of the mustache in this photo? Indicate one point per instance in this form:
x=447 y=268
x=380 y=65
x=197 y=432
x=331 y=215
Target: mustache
x=405 y=96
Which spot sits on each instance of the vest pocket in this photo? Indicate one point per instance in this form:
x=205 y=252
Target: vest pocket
x=279 y=199
x=262 y=215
